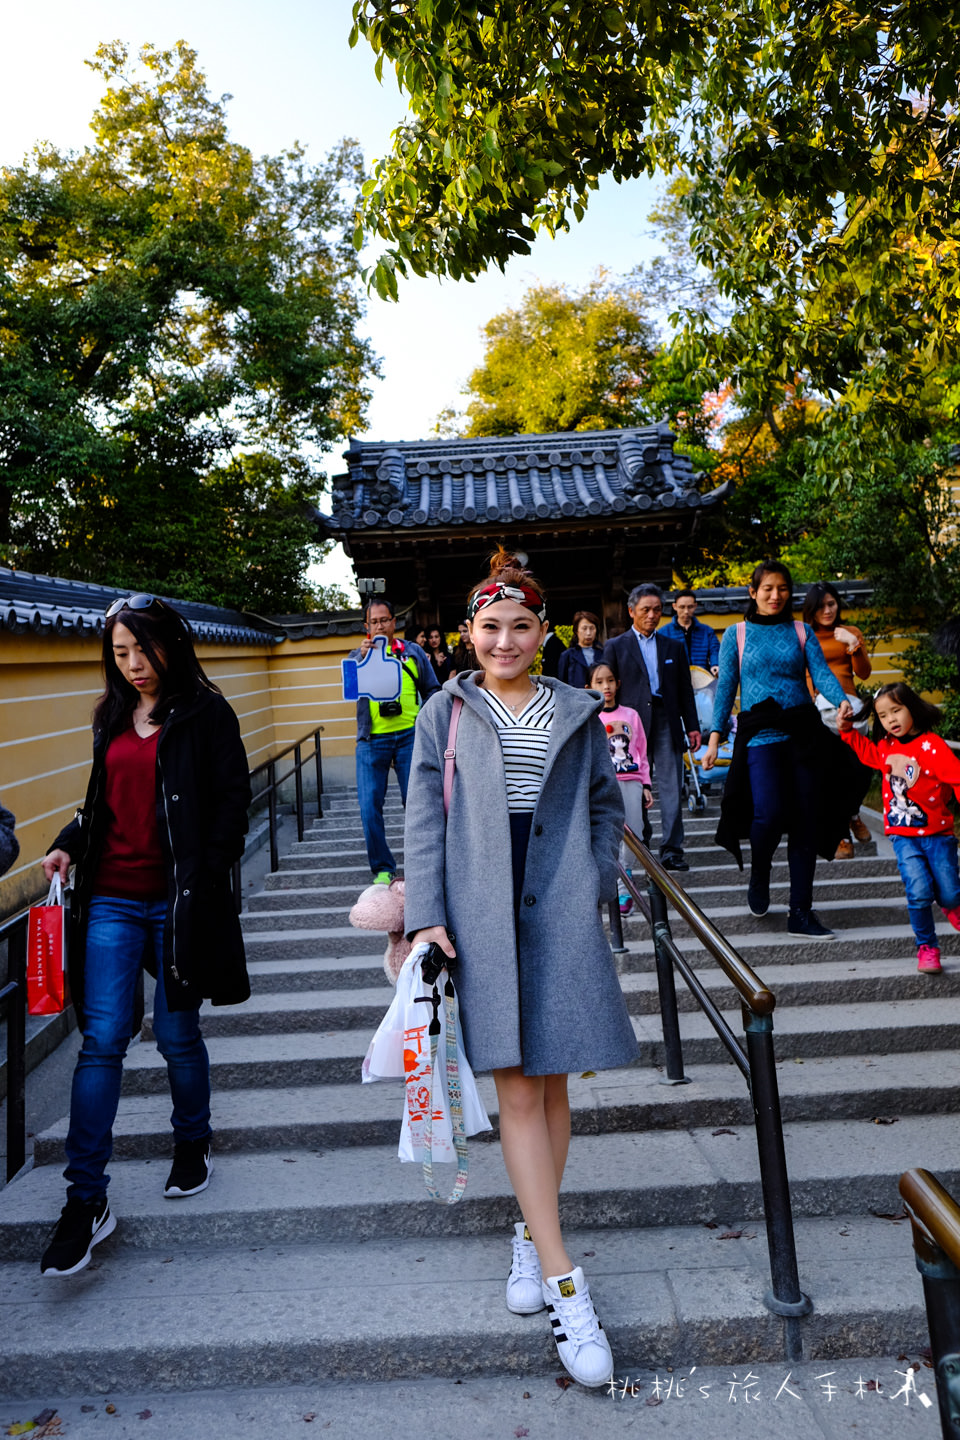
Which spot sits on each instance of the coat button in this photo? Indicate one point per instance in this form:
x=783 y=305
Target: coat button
x=174 y=797
x=538 y=829
x=186 y=892
x=529 y=899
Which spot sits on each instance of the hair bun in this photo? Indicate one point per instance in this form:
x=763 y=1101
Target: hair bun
x=502 y=560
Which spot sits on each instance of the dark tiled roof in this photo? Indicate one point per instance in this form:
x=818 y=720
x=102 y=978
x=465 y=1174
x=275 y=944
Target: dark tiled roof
x=431 y=483
x=50 y=606
x=732 y=599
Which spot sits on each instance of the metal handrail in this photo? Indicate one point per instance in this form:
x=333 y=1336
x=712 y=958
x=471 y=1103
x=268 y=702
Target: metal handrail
x=755 y=1060
x=748 y=985
x=271 y=792
x=935 y=1219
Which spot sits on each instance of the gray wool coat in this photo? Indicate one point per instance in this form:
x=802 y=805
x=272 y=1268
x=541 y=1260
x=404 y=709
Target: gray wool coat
x=541 y=992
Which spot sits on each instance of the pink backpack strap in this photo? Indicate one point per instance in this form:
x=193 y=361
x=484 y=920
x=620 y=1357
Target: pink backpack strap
x=801 y=630
x=450 y=754
x=741 y=641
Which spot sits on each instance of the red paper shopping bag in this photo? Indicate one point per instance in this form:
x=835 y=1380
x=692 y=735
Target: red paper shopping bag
x=47 y=988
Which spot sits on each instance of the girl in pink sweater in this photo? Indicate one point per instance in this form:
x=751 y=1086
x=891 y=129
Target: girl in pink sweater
x=919 y=769
x=628 y=751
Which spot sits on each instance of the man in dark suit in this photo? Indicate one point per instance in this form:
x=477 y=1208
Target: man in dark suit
x=655 y=681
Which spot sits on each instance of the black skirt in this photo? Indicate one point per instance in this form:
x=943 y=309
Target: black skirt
x=520 y=822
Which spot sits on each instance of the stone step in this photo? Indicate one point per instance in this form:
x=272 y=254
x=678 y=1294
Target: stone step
x=735 y=920
x=876 y=1087
x=729 y=913
x=279 y=1010
x=659 y=1178
x=371 y=1310
x=353 y=878
x=281 y=975
x=335 y=1055
x=730 y=889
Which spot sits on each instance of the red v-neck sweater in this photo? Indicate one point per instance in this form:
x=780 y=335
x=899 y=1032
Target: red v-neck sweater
x=132 y=865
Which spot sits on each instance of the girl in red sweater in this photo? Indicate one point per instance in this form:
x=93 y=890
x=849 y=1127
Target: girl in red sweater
x=918 y=769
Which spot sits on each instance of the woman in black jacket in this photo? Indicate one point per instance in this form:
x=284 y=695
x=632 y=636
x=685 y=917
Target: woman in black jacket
x=162 y=824
x=575 y=664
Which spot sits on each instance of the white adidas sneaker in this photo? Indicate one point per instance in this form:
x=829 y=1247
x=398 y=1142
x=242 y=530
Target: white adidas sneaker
x=581 y=1343
x=525 y=1281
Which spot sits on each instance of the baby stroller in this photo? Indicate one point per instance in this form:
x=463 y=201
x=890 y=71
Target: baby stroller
x=698 y=784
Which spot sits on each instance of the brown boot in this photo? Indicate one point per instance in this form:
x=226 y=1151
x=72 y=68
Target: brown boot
x=860 y=831
x=844 y=850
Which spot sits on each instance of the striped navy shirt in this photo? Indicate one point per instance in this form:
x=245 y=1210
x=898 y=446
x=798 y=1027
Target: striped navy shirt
x=524 y=740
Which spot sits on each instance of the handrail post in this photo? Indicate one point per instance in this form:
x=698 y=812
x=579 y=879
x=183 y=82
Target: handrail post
x=666 y=984
x=319 y=759
x=785 y=1296
x=298 y=786
x=16 y=1051
x=931 y=1207
x=272 y=814
x=616 y=928
x=941 y=1294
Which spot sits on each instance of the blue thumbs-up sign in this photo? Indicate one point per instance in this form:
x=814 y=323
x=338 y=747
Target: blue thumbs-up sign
x=378 y=676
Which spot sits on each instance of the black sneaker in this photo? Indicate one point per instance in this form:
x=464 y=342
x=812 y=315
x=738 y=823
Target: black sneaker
x=758 y=895
x=191 y=1170
x=805 y=924
x=82 y=1224
x=674 y=862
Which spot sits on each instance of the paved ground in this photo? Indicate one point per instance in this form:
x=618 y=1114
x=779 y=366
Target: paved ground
x=825 y=1401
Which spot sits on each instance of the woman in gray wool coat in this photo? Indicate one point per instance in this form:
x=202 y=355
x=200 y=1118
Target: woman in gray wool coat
x=536 y=818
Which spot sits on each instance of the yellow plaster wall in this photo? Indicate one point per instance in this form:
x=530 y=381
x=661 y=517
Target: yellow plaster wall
x=48 y=688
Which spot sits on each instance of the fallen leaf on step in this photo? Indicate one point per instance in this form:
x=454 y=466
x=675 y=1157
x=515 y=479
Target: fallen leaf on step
x=899 y=1215
x=738 y=1235
x=287 y=1160
x=589 y=1075
x=21 y=1427
x=885 y=1119
x=311 y=1415
x=796 y=1061
x=110 y=1409
x=44 y=1417
x=711 y=1225
x=144 y=1414
x=723 y=1132
x=520 y=1431
x=654 y=1400
x=564 y=1382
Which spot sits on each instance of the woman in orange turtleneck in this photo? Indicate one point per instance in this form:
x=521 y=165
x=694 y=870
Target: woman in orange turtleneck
x=845 y=651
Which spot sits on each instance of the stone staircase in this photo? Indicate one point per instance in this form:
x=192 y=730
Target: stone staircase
x=314 y=1255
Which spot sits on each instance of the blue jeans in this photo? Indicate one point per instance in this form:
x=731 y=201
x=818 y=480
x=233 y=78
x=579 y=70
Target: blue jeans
x=374 y=758
x=928 y=868
x=117 y=935
x=783 y=791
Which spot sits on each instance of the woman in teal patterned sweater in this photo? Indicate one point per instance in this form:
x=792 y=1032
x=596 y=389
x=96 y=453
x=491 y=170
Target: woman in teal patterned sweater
x=768 y=660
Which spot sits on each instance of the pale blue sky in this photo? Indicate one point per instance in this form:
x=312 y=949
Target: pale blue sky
x=293 y=77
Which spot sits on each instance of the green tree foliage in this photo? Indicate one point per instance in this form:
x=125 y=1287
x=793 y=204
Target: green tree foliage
x=821 y=140
x=586 y=359
x=178 y=342
x=564 y=360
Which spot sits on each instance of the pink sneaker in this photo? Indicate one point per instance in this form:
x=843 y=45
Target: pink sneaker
x=928 y=959
x=954 y=916
x=626 y=905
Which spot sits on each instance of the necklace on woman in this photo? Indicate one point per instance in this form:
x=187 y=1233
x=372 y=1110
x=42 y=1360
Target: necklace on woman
x=523 y=702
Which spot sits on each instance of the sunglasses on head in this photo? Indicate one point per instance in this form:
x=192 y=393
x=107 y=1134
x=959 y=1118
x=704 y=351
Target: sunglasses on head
x=134 y=602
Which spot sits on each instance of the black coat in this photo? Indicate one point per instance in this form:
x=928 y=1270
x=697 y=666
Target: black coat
x=842 y=781
x=203 y=791
x=573 y=669
x=622 y=654
x=551 y=655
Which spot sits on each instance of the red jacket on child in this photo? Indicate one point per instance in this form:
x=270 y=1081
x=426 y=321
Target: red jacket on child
x=917 y=774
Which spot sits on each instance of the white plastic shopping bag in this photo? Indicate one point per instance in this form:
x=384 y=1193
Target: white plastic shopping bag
x=401 y=1047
